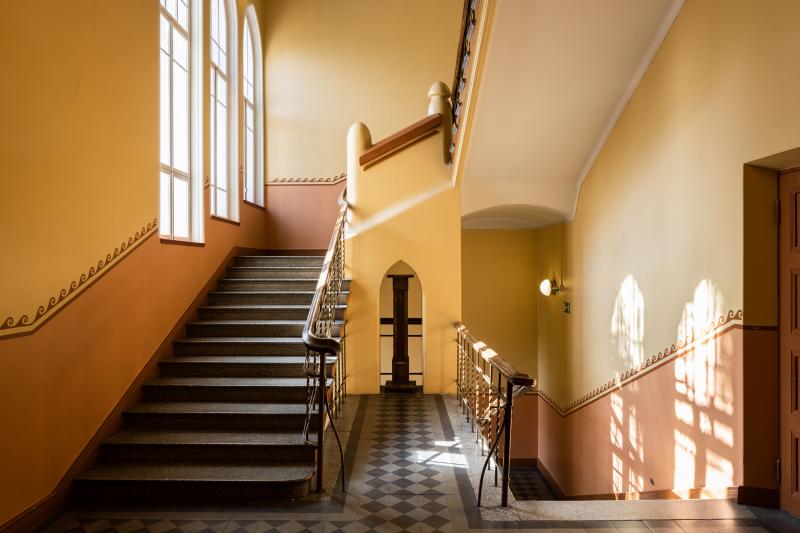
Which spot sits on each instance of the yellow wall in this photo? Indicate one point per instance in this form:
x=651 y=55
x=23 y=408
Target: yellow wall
x=330 y=64
x=499 y=287
x=79 y=140
x=79 y=146
x=662 y=206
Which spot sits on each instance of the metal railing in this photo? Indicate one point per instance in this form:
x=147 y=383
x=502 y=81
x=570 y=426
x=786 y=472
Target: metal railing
x=323 y=336
x=487 y=386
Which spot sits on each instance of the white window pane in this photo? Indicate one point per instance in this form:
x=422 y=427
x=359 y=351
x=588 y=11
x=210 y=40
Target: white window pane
x=165 y=29
x=165 y=112
x=222 y=91
x=165 y=201
x=181 y=208
x=222 y=203
x=223 y=60
x=172 y=7
x=180 y=114
x=250 y=175
x=223 y=28
x=214 y=21
x=222 y=147
x=180 y=49
x=183 y=14
x=248 y=117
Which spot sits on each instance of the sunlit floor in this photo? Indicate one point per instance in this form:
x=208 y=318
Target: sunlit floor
x=411 y=465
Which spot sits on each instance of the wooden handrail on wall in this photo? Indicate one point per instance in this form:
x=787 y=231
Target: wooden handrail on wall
x=400 y=140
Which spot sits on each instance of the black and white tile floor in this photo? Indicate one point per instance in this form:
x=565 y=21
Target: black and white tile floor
x=405 y=472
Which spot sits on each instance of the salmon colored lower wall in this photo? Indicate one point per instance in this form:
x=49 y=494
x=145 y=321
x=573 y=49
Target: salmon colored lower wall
x=677 y=427
x=58 y=385
x=524 y=423
x=301 y=217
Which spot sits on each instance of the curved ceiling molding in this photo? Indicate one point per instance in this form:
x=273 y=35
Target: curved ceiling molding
x=556 y=79
x=514 y=216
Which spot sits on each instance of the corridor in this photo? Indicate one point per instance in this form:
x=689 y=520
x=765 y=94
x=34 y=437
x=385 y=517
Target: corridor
x=411 y=465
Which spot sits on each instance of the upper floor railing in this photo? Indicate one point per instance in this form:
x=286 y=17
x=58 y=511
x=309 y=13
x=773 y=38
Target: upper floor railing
x=487 y=386
x=320 y=338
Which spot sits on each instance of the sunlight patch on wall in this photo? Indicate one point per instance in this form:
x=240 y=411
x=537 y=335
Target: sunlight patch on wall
x=627 y=323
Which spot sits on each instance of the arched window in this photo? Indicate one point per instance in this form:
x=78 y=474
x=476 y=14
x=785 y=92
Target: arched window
x=181 y=166
x=253 y=110
x=222 y=118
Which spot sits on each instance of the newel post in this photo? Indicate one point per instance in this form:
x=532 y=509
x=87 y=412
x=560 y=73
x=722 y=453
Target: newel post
x=439 y=95
x=359 y=140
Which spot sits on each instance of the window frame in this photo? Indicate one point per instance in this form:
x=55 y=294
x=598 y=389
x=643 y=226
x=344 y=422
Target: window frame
x=232 y=116
x=195 y=117
x=252 y=28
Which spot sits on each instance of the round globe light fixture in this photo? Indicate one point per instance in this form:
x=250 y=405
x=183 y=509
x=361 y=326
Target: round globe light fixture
x=548 y=287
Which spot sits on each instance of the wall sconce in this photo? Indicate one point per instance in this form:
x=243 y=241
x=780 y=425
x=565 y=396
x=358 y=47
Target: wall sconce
x=548 y=287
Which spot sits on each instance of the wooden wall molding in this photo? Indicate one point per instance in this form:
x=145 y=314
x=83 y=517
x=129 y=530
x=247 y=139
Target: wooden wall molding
x=327 y=180
x=728 y=321
x=25 y=325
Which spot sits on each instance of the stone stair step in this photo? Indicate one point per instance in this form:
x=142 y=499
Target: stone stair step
x=266 y=297
x=227 y=284
x=278 y=272
x=278 y=260
x=225 y=389
x=237 y=366
x=187 y=481
x=217 y=416
x=260 y=312
x=239 y=346
x=249 y=328
x=228 y=446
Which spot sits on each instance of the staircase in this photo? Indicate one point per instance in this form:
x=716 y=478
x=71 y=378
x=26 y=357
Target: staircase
x=224 y=420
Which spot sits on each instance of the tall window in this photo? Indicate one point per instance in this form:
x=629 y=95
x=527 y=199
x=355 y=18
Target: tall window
x=253 y=111
x=224 y=193
x=179 y=123
x=175 y=121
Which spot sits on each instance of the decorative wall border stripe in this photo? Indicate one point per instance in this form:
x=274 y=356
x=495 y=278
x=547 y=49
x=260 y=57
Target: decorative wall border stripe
x=304 y=181
x=731 y=320
x=24 y=325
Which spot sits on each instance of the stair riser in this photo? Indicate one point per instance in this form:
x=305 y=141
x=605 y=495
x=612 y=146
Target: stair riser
x=234 y=273
x=98 y=492
x=277 y=298
x=267 y=285
x=211 y=453
x=272 y=261
x=248 y=330
x=174 y=421
x=167 y=393
x=239 y=370
x=187 y=348
x=288 y=313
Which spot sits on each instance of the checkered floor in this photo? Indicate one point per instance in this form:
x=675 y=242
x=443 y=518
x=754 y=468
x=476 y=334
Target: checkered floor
x=406 y=471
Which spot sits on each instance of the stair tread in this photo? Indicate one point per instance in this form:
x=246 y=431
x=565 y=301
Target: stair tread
x=280 y=256
x=257 y=408
x=203 y=381
x=270 y=280
x=239 y=359
x=254 y=321
x=212 y=472
x=255 y=340
x=209 y=438
x=276 y=267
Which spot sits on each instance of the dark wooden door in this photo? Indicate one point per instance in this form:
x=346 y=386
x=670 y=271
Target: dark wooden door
x=789 y=253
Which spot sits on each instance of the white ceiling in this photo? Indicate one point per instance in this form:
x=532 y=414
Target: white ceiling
x=557 y=75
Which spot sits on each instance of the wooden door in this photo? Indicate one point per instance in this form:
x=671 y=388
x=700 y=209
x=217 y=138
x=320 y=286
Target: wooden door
x=789 y=296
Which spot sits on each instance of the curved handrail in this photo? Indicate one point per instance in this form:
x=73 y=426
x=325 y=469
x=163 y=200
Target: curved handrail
x=317 y=337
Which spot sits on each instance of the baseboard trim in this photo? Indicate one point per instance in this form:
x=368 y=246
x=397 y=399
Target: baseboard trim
x=48 y=507
x=758 y=496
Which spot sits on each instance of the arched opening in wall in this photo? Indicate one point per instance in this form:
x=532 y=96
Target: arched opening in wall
x=401 y=331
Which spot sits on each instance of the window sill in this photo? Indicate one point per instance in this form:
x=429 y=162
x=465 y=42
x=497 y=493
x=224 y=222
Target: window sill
x=251 y=204
x=167 y=240
x=227 y=220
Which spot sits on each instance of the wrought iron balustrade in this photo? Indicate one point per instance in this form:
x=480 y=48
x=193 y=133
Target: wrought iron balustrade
x=487 y=386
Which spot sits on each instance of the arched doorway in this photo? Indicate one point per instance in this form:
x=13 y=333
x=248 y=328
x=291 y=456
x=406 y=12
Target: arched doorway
x=401 y=331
